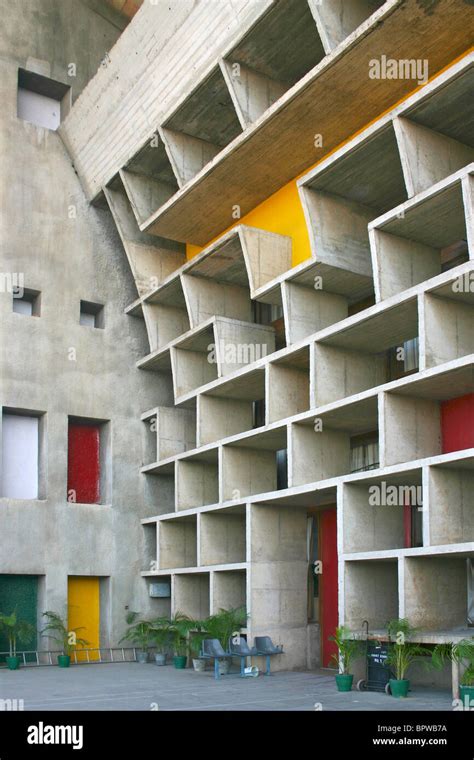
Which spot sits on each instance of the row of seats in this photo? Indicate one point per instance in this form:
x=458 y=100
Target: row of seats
x=212 y=649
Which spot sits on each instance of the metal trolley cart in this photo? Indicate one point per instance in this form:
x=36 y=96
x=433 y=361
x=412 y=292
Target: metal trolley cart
x=378 y=673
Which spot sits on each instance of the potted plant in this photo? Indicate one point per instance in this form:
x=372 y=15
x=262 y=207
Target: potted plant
x=402 y=653
x=140 y=633
x=461 y=652
x=161 y=636
x=222 y=626
x=348 y=649
x=196 y=637
x=180 y=626
x=57 y=629
x=16 y=630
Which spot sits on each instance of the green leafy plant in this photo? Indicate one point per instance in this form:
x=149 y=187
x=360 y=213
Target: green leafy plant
x=161 y=634
x=461 y=652
x=140 y=631
x=402 y=652
x=224 y=624
x=348 y=649
x=66 y=637
x=15 y=630
x=180 y=627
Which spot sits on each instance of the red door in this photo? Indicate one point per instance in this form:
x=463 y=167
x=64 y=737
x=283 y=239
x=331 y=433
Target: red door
x=328 y=595
x=83 y=470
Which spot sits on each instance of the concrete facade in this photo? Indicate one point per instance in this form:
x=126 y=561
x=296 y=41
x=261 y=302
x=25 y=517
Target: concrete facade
x=51 y=365
x=245 y=385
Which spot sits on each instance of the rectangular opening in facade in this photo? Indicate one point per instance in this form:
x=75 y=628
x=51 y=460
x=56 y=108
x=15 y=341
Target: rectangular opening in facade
x=278 y=50
x=419 y=241
x=436 y=592
x=197 y=480
x=451 y=502
x=178 y=542
x=369 y=353
x=229 y=590
x=288 y=386
x=23 y=454
x=27 y=302
x=88 y=480
x=192 y=594
x=253 y=465
x=334 y=443
x=371 y=594
x=223 y=536
x=42 y=101
x=384 y=513
x=91 y=314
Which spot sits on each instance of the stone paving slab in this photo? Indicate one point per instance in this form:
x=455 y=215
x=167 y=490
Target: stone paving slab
x=130 y=686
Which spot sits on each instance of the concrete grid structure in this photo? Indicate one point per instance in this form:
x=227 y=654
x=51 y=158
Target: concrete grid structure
x=307 y=390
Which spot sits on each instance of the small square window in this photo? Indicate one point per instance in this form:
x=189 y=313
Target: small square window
x=42 y=101
x=92 y=314
x=28 y=303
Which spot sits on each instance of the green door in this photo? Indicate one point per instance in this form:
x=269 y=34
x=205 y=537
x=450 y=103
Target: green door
x=20 y=593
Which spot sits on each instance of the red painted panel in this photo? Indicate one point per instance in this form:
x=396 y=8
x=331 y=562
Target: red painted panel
x=407 y=522
x=457 y=423
x=83 y=470
x=328 y=609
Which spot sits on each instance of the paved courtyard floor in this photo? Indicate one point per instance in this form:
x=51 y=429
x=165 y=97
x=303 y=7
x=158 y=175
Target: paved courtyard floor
x=130 y=686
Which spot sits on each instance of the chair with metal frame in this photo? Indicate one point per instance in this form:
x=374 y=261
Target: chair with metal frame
x=264 y=646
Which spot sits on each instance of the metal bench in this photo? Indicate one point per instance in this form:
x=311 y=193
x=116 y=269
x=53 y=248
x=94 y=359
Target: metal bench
x=264 y=646
x=212 y=650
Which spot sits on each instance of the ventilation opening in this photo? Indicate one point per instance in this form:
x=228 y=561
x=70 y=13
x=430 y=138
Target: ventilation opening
x=42 y=101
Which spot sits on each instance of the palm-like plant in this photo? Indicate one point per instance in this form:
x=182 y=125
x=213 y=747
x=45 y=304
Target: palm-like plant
x=180 y=627
x=140 y=631
x=348 y=649
x=402 y=653
x=224 y=625
x=461 y=652
x=161 y=633
x=66 y=637
x=16 y=630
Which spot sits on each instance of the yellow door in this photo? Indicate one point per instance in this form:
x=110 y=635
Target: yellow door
x=84 y=611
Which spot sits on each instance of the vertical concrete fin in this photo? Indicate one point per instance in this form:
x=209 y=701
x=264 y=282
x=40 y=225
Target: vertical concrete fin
x=145 y=194
x=427 y=156
x=188 y=155
x=267 y=255
x=338 y=230
x=336 y=19
x=252 y=92
x=206 y=297
x=151 y=260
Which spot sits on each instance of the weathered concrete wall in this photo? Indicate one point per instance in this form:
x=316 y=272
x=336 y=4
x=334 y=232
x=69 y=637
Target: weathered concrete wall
x=136 y=98
x=47 y=36
x=68 y=259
